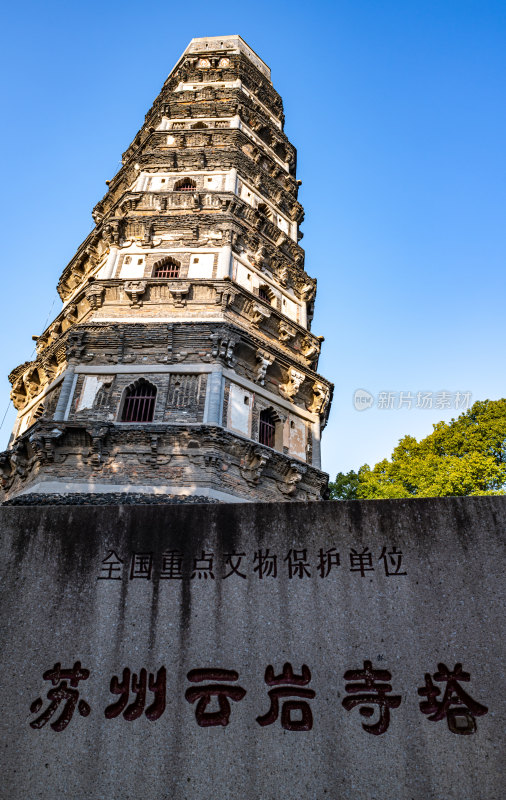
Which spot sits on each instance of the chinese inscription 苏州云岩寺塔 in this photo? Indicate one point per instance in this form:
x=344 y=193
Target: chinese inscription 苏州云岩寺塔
x=368 y=687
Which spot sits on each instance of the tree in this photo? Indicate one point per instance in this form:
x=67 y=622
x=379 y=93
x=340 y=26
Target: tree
x=344 y=487
x=463 y=457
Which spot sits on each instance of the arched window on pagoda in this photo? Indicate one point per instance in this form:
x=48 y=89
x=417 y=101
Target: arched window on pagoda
x=199 y=126
x=265 y=293
x=267 y=428
x=280 y=151
x=265 y=135
x=166 y=268
x=185 y=185
x=139 y=402
x=265 y=210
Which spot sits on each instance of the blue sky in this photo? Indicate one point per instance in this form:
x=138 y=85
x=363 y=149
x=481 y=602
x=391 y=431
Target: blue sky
x=398 y=113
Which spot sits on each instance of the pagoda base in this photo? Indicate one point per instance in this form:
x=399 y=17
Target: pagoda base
x=208 y=461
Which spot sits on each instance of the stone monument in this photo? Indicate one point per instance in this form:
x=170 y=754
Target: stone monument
x=349 y=651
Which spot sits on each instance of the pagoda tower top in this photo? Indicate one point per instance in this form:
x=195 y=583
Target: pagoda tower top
x=227 y=44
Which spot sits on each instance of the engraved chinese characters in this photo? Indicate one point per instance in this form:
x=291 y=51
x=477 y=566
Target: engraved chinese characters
x=145 y=694
x=62 y=692
x=460 y=718
x=139 y=684
x=206 y=566
x=222 y=691
x=292 y=687
x=368 y=690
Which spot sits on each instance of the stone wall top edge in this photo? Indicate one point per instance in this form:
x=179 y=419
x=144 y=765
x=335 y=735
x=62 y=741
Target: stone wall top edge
x=494 y=502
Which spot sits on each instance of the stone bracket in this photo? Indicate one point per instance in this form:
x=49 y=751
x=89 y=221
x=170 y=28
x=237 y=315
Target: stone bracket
x=294 y=380
x=135 y=290
x=321 y=397
x=253 y=463
x=94 y=295
x=43 y=443
x=285 y=331
x=259 y=313
x=223 y=347
x=265 y=360
x=179 y=292
x=292 y=478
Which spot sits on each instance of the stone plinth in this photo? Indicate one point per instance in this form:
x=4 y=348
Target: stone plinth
x=177 y=590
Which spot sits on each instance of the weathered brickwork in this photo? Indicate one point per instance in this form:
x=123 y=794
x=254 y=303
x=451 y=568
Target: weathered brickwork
x=185 y=332
x=179 y=397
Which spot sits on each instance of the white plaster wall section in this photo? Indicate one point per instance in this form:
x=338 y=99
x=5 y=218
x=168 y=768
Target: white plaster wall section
x=231 y=180
x=246 y=275
x=23 y=424
x=247 y=130
x=188 y=87
x=290 y=309
x=275 y=399
x=266 y=110
x=248 y=194
x=297 y=444
x=142 y=182
x=132 y=267
x=90 y=388
x=284 y=225
x=224 y=262
x=239 y=409
x=159 y=183
x=243 y=275
x=201 y=265
x=180 y=124
x=134 y=186
x=70 y=397
x=214 y=180
x=103 y=270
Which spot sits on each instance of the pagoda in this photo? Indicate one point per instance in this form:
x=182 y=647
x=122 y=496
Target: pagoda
x=182 y=361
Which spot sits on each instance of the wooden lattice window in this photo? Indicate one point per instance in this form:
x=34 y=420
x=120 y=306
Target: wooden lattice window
x=139 y=402
x=185 y=185
x=267 y=428
x=168 y=268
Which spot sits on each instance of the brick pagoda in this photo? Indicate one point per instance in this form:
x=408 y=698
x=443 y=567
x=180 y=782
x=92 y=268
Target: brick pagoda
x=182 y=361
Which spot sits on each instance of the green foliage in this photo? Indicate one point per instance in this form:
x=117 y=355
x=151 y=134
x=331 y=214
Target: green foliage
x=344 y=487
x=466 y=456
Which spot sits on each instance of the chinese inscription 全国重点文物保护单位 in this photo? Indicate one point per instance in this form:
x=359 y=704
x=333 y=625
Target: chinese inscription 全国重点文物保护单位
x=175 y=565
